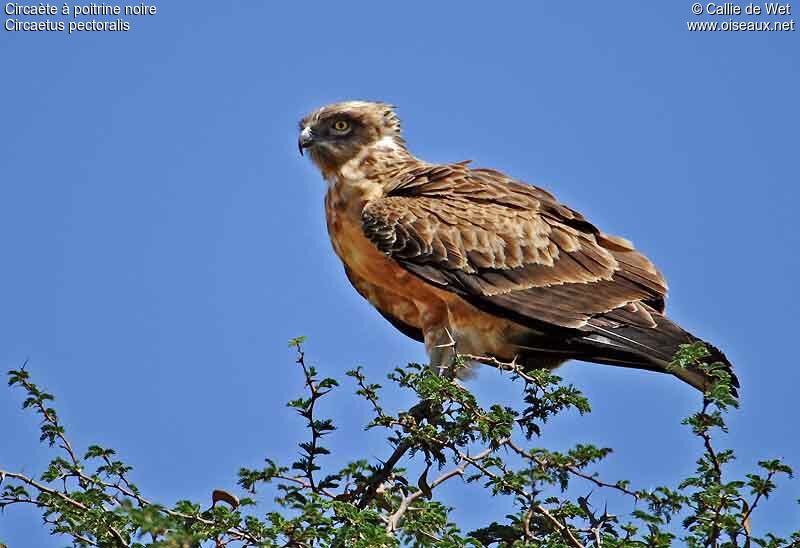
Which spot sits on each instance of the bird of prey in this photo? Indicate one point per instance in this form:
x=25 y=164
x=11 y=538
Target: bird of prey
x=472 y=261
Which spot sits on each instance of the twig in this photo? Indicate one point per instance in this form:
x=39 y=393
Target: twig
x=48 y=417
x=707 y=442
x=69 y=500
x=87 y=540
x=572 y=470
x=394 y=519
x=563 y=529
x=234 y=532
x=703 y=433
x=382 y=474
x=368 y=394
x=309 y=415
x=303 y=482
x=526 y=523
x=752 y=507
x=512 y=366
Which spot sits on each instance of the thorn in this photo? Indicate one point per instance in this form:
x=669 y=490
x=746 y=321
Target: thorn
x=448 y=344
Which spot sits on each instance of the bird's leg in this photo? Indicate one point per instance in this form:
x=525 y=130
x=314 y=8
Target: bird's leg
x=442 y=353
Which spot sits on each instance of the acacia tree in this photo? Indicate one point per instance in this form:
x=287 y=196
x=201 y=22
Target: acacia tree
x=89 y=497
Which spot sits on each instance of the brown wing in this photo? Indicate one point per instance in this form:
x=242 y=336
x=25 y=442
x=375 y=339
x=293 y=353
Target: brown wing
x=512 y=248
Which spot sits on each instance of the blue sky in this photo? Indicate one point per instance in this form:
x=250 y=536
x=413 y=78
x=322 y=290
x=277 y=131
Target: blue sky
x=162 y=239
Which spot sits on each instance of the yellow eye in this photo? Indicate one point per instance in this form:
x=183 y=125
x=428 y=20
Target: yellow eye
x=341 y=125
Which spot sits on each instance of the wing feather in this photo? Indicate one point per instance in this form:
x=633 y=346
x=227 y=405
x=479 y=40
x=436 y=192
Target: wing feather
x=510 y=247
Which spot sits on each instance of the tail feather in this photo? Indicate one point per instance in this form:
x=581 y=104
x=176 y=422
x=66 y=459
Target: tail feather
x=649 y=348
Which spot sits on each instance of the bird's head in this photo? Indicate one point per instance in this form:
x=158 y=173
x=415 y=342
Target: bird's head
x=337 y=133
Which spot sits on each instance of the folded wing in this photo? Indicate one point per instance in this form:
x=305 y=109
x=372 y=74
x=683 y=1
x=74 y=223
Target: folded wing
x=511 y=248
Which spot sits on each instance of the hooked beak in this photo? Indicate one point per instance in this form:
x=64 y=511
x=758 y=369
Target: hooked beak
x=306 y=139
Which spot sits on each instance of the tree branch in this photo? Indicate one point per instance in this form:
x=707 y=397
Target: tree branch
x=394 y=519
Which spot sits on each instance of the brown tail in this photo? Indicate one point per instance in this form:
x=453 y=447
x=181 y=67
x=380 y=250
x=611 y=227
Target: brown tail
x=650 y=348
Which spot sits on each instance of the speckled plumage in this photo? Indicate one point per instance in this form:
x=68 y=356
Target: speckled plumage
x=445 y=250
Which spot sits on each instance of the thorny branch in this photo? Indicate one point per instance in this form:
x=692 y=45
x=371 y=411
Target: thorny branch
x=234 y=532
x=563 y=529
x=56 y=431
x=308 y=413
x=65 y=497
x=572 y=470
x=382 y=474
x=394 y=519
x=445 y=423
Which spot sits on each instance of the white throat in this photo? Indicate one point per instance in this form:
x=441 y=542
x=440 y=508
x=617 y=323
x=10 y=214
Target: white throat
x=387 y=142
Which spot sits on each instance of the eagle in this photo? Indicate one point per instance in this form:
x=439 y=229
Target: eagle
x=474 y=262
